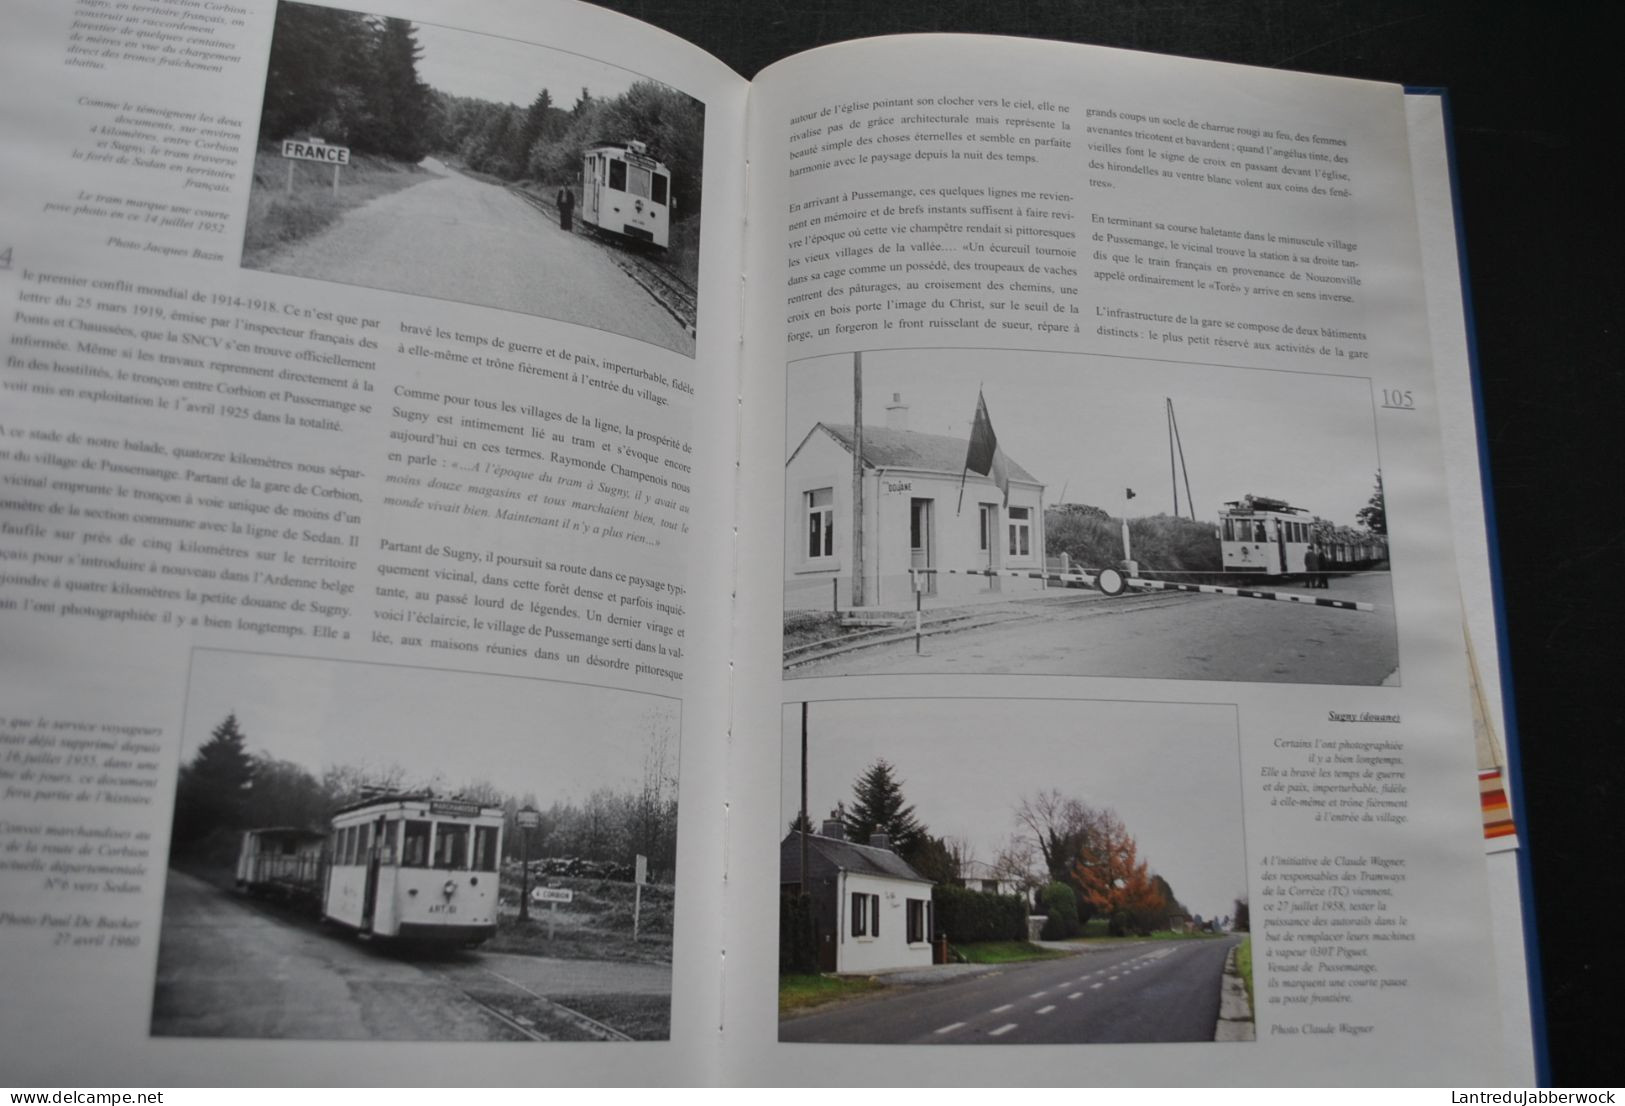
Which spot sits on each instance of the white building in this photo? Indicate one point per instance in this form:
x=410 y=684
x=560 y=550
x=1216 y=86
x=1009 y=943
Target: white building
x=871 y=910
x=913 y=515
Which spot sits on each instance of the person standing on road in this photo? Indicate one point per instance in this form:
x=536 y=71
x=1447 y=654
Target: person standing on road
x=566 y=201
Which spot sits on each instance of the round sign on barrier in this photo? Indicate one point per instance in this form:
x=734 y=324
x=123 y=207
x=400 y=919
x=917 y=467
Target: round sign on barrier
x=1111 y=582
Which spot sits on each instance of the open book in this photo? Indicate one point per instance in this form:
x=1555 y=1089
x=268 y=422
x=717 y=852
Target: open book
x=510 y=532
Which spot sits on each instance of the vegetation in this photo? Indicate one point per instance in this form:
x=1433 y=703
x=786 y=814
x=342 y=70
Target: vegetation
x=224 y=789
x=1004 y=952
x=1060 y=907
x=804 y=991
x=969 y=916
x=1374 y=515
x=1244 y=966
x=279 y=216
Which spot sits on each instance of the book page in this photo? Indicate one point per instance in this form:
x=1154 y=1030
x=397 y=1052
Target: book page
x=1123 y=699
x=366 y=536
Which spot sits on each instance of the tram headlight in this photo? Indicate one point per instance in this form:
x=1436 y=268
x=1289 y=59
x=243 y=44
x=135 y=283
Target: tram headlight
x=450 y=888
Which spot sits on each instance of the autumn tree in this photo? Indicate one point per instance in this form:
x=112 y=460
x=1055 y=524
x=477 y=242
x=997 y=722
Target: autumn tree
x=1115 y=882
x=878 y=807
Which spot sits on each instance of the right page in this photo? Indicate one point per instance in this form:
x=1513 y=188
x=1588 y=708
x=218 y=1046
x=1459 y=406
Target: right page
x=1122 y=698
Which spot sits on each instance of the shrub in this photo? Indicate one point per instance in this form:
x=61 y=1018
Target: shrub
x=978 y=916
x=1061 y=906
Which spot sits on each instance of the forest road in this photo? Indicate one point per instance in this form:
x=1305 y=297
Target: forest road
x=460 y=239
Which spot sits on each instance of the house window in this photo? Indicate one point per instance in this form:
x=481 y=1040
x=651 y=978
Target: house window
x=865 y=915
x=821 y=522
x=919 y=920
x=1021 y=531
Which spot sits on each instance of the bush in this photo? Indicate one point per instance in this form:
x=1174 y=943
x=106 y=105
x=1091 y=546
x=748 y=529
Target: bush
x=978 y=916
x=1061 y=906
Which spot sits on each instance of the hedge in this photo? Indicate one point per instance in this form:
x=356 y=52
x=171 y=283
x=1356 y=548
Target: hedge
x=967 y=916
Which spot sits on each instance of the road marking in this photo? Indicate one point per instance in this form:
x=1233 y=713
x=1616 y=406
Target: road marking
x=951 y=1028
x=1075 y=994
x=1038 y=994
x=1113 y=978
x=1096 y=986
x=1002 y=1030
x=1045 y=1009
x=1002 y=1009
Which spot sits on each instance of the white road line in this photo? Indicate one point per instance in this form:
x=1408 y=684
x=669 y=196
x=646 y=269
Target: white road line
x=951 y=1028
x=1002 y=1030
x=1075 y=994
x=1045 y=1009
x=1096 y=986
x=1001 y=1009
x=1038 y=994
x=1113 y=978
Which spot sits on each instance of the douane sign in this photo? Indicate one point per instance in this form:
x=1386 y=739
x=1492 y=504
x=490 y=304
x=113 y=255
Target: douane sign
x=315 y=151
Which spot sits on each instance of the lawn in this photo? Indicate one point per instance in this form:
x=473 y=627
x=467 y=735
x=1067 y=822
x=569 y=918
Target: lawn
x=1005 y=952
x=803 y=992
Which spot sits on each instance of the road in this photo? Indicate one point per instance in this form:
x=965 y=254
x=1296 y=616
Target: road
x=230 y=967
x=457 y=238
x=1174 y=636
x=1156 y=991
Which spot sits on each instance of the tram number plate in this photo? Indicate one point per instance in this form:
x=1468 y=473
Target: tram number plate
x=443 y=908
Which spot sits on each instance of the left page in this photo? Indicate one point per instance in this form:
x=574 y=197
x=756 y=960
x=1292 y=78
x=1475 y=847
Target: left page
x=366 y=490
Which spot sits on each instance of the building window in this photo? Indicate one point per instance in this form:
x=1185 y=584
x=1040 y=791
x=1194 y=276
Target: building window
x=919 y=920
x=865 y=915
x=820 y=523
x=1021 y=531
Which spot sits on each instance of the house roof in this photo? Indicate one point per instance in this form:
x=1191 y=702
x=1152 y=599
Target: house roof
x=826 y=854
x=911 y=449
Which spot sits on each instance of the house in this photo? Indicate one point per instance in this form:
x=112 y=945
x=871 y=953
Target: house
x=979 y=875
x=871 y=910
x=913 y=514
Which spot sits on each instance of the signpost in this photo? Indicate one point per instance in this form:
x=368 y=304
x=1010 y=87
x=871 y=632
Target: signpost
x=552 y=896
x=639 y=878
x=528 y=819
x=314 y=149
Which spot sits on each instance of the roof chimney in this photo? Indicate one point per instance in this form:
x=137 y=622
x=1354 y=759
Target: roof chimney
x=880 y=841
x=897 y=413
x=833 y=827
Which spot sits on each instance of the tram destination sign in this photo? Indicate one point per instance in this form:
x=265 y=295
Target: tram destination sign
x=314 y=149
x=455 y=808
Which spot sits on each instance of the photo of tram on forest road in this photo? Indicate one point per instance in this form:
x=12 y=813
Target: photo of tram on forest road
x=372 y=852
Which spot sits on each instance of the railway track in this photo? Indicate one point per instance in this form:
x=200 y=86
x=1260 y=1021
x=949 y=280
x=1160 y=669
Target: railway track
x=663 y=283
x=522 y=1010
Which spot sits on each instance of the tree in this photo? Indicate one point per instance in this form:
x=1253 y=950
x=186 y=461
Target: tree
x=878 y=807
x=1374 y=515
x=212 y=792
x=1058 y=827
x=1241 y=922
x=1114 y=880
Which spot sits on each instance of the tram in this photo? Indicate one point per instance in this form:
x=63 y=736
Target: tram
x=1265 y=536
x=410 y=867
x=625 y=193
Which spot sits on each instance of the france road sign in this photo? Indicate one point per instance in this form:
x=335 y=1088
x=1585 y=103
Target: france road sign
x=315 y=150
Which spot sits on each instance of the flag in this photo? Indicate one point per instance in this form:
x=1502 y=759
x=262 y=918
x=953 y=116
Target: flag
x=984 y=456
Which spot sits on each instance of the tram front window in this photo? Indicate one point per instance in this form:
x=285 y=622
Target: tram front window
x=485 y=848
x=415 y=845
x=451 y=846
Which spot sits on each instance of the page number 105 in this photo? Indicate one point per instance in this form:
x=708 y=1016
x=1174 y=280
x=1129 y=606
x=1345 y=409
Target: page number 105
x=1398 y=400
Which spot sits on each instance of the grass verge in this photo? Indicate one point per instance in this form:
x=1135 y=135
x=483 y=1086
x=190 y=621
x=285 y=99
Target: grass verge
x=1005 y=952
x=803 y=992
x=1244 y=967
x=278 y=218
x=641 y=1017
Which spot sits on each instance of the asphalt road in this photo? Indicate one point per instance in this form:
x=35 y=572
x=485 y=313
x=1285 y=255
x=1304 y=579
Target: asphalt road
x=1156 y=991
x=1173 y=636
x=457 y=238
x=229 y=967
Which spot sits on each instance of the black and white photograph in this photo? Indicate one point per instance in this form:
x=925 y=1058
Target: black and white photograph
x=1080 y=880
x=417 y=158
x=374 y=852
x=1059 y=514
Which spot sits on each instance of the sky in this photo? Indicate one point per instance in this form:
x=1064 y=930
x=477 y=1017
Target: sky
x=509 y=71
x=555 y=740
x=1171 y=772
x=1092 y=426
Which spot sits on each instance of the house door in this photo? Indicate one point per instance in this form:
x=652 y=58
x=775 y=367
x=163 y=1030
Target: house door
x=920 y=552
x=826 y=947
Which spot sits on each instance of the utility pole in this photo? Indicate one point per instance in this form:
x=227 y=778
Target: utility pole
x=857 y=479
x=527 y=818
x=803 y=798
